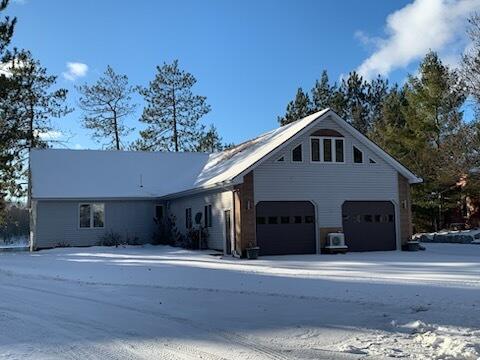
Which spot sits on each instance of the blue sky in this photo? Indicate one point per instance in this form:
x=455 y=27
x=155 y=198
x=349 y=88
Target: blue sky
x=249 y=57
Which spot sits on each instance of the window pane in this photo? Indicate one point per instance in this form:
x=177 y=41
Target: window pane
x=297 y=153
x=368 y=218
x=315 y=149
x=158 y=212
x=272 y=220
x=85 y=216
x=282 y=159
x=327 y=150
x=285 y=220
x=339 y=150
x=98 y=215
x=357 y=156
x=188 y=218
x=260 y=220
x=308 y=219
x=209 y=215
x=298 y=219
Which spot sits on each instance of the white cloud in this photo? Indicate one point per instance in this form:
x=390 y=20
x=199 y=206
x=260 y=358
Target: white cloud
x=78 y=147
x=50 y=135
x=412 y=31
x=75 y=70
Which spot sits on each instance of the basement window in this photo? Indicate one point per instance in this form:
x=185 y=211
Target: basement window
x=92 y=215
x=297 y=154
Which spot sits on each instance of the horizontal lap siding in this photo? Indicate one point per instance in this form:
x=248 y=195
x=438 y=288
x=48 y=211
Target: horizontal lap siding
x=326 y=185
x=57 y=222
x=220 y=202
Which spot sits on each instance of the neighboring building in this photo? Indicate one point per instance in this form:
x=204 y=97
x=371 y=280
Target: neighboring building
x=284 y=190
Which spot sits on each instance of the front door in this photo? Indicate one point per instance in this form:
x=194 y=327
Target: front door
x=228 y=232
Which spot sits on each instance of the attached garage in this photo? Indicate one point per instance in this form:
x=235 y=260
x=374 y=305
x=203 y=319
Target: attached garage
x=285 y=227
x=369 y=225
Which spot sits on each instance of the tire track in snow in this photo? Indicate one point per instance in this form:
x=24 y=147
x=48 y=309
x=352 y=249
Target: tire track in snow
x=232 y=337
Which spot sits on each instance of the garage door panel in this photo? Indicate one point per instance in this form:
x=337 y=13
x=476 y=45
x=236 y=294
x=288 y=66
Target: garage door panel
x=369 y=225
x=285 y=227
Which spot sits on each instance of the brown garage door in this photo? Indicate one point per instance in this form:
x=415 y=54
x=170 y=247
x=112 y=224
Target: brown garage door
x=369 y=225
x=285 y=227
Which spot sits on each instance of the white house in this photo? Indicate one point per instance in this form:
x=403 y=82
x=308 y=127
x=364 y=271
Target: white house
x=284 y=191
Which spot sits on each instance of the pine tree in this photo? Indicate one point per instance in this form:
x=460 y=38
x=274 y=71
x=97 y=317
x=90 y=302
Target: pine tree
x=30 y=106
x=173 y=112
x=297 y=109
x=210 y=141
x=322 y=93
x=471 y=61
x=355 y=90
x=422 y=125
x=106 y=104
x=8 y=134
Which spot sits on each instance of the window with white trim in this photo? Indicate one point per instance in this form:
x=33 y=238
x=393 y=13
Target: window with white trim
x=327 y=149
x=297 y=154
x=357 y=155
x=91 y=215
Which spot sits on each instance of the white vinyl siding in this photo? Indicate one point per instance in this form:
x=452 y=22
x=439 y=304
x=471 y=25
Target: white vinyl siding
x=325 y=185
x=219 y=201
x=57 y=222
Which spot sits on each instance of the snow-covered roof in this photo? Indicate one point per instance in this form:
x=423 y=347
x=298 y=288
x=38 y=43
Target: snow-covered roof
x=77 y=174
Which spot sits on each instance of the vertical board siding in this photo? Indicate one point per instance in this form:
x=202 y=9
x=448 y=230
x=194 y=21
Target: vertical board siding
x=220 y=202
x=57 y=222
x=326 y=185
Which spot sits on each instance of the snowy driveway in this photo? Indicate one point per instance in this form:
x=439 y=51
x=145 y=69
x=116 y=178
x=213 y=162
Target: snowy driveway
x=165 y=303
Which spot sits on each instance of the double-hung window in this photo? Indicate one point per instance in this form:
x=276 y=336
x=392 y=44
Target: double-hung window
x=92 y=215
x=327 y=149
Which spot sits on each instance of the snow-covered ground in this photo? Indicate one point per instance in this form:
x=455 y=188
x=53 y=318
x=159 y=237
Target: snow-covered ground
x=166 y=303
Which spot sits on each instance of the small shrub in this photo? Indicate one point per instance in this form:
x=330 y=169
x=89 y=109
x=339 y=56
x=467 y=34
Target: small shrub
x=197 y=238
x=167 y=232
x=62 y=244
x=110 y=238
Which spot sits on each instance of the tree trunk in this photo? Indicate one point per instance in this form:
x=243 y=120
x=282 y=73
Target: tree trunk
x=115 y=126
x=175 y=131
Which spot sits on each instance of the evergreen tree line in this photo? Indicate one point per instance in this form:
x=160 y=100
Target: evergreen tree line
x=30 y=100
x=421 y=123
